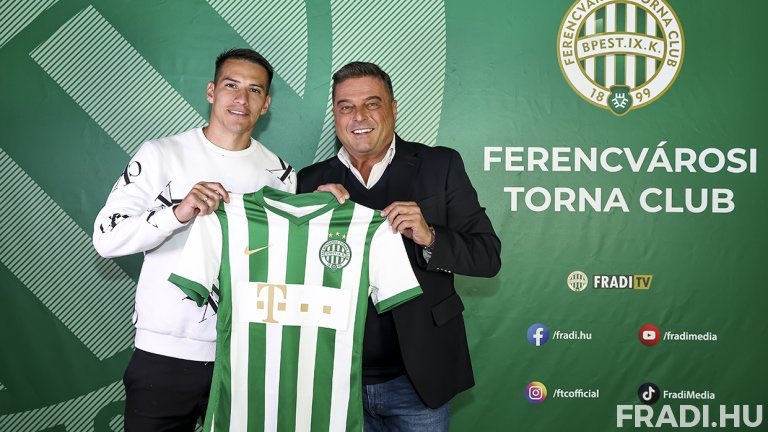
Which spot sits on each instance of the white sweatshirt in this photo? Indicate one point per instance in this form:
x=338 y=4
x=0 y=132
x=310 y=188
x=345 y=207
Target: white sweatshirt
x=138 y=217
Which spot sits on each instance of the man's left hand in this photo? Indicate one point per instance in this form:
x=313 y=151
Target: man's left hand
x=406 y=217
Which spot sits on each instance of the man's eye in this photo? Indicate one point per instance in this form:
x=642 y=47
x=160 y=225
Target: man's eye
x=374 y=105
x=345 y=109
x=255 y=90
x=229 y=85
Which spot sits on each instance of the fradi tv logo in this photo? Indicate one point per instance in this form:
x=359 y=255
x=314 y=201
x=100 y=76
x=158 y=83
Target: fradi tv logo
x=648 y=393
x=649 y=335
x=535 y=392
x=538 y=334
x=578 y=281
x=622 y=55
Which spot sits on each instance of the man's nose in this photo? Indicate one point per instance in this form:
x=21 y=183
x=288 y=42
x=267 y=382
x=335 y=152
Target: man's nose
x=241 y=96
x=361 y=113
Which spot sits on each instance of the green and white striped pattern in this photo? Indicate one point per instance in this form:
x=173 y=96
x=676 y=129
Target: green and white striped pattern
x=277 y=30
x=288 y=353
x=628 y=69
x=130 y=100
x=116 y=424
x=15 y=15
x=408 y=41
x=53 y=257
x=74 y=415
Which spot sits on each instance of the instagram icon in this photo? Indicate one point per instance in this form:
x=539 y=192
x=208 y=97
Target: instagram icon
x=535 y=392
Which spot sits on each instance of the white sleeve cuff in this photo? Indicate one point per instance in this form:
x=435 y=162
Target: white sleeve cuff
x=165 y=220
x=426 y=254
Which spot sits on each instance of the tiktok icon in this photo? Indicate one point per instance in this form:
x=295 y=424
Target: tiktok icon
x=648 y=393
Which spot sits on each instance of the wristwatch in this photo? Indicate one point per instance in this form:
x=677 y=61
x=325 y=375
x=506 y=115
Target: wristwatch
x=429 y=247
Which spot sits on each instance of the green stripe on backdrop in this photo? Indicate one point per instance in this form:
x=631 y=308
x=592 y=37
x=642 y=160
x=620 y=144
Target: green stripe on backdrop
x=149 y=106
x=278 y=29
x=38 y=223
x=326 y=338
x=298 y=235
x=258 y=265
x=17 y=15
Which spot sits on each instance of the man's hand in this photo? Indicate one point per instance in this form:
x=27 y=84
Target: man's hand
x=204 y=198
x=336 y=189
x=406 y=217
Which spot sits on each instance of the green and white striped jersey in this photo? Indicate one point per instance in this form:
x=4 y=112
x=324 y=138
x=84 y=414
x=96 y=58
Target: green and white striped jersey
x=294 y=274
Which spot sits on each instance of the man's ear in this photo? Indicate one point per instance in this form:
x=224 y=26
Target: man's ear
x=265 y=108
x=209 y=92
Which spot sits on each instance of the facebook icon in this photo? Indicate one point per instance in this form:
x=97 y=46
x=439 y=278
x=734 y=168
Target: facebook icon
x=538 y=334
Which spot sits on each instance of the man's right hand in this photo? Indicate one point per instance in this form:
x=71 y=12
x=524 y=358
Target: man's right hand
x=204 y=198
x=336 y=189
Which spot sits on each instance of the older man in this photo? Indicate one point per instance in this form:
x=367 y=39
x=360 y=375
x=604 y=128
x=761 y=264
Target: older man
x=415 y=358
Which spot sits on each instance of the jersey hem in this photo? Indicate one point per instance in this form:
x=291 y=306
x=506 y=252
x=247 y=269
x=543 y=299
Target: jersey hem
x=177 y=347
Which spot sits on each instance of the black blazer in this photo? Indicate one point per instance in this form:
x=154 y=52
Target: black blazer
x=430 y=327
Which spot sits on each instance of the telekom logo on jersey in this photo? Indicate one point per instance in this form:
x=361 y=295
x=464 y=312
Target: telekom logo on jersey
x=292 y=304
x=271 y=288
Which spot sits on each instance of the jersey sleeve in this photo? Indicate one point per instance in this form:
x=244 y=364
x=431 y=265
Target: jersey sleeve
x=391 y=276
x=197 y=270
x=131 y=221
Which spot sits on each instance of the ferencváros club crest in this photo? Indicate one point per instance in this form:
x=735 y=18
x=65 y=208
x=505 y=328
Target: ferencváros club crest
x=620 y=55
x=335 y=253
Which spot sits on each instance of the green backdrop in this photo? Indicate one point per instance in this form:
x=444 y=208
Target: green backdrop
x=85 y=83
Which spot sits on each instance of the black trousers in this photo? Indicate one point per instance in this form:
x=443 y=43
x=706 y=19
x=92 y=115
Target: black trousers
x=165 y=393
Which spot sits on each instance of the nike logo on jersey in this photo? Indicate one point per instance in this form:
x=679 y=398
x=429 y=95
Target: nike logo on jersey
x=253 y=251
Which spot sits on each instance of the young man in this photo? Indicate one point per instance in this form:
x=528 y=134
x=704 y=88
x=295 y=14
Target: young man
x=166 y=185
x=415 y=358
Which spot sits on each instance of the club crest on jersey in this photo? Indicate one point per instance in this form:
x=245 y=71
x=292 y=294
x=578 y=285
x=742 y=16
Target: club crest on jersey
x=335 y=253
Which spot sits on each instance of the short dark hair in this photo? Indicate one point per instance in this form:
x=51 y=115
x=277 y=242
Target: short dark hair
x=246 y=54
x=359 y=70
